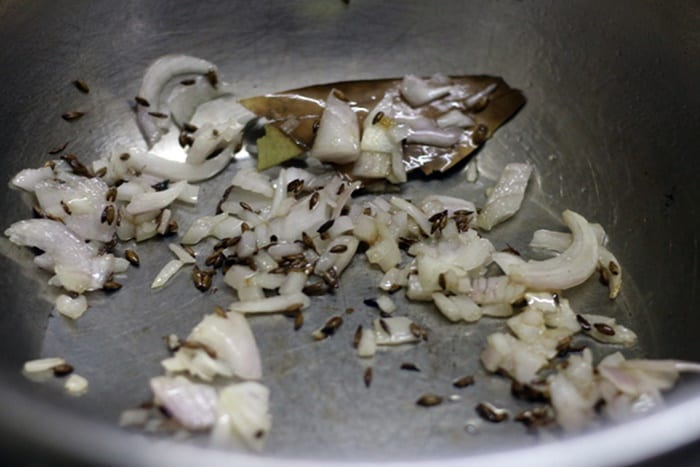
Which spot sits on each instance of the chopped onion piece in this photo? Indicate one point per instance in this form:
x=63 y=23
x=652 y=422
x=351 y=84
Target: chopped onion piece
x=418 y=91
x=454 y=118
x=399 y=331
x=233 y=341
x=606 y=329
x=168 y=271
x=338 y=137
x=385 y=304
x=185 y=100
x=42 y=364
x=191 y=404
x=154 y=201
x=275 y=304
x=243 y=416
x=173 y=170
x=506 y=197
x=73 y=308
x=157 y=76
x=76 y=385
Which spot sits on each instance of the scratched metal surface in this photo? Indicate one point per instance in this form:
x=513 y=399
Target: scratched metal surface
x=611 y=125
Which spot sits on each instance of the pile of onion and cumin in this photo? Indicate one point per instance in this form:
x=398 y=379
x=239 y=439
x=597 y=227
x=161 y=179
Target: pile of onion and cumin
x=283 y=239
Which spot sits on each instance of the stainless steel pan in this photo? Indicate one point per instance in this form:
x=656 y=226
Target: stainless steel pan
x=611 y=124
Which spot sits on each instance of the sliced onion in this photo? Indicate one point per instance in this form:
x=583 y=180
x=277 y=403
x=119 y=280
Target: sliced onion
x=454 y=118
x=185 y=100
x=367 y=346
x=158 y=74
x=616 y=334
x=506 y=197
x=173 y=170
x=73 y=308
x=181 y=253
x=278 y=303
x=571 y=268
x=27 y=179
x=42 y=364
x=418 y=91
x=168 y=271
x=154 y=201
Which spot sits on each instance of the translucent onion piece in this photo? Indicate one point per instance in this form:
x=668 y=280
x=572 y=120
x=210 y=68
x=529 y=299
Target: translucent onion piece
x=191 y=404
x=418 y=91
x=184 y=100
x=571 y=268
x=507 y=195
x=367 y=346
x=399 y=331
x=73 y=308
x=76 y=385
x=243 y=416
x=275 y=304
x=154 y=201
x=233 y=341
x=158 y=74
x=42 y=364
x=338 y=137
x=168 y=271
x=173 y=170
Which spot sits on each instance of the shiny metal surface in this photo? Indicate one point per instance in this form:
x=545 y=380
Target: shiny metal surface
x=611 y=125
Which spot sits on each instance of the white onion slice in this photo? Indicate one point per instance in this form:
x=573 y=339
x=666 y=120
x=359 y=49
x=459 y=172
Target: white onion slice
x=27 y=179
x=184 y=100
x=156 y=77
x=42 y=364
x=168 y=271
x=571 y=268
x=274 y=304
x=399 y=328
x=76 y=385
x=367 y=346
x=173 y=170
x=154 y=201
x=507 y=195
x=181 y=253
x=418 y=91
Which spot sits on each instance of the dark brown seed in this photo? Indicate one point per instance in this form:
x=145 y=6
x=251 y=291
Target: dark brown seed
x=308 y=242
x=429 y=400
x=367 y=211
x=370 y=302
x=463 y=382
x=245 y=227
x=220 y=312
x=184 y=140
x=81 y=86
x=332 y=325
x=202 y=278
x=245 y=206
x=194 y=345
x=604 y=329
x=213 y=78
x=62 y=369
x=73 y=115
x=216 y=259
x=409 y=367
x=418 y=331
x=259 y=434
x=172 y=228
x=295 y=186
x=585 y=325
x=188 y=82
x=108 y=214
x=189 y=250
x=377 y=117
x=161 y=186
x=101 y=172
x=50 y=164
x=57 y=149
x=189 y=128
x=528 y=392
x=76 y=166
x=385 y=326
x=614 y=268
x=325 y=226
x=65 y=207
x=535 y=417
x=442 y=282
x=313 y=200
x=124 y=156
x=111 y=286
x=158 y=114
x=480 y=134
x=367 y=377
x=315 y=288
x=142 y=102
x=298 y=320
x=132 y=257
x=341 y=189
x=339 y=249
x=490 y=413
x=357 y=337
x=438 y=221
x=349 y=311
